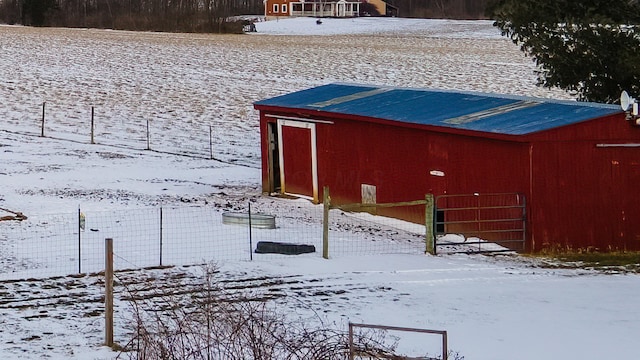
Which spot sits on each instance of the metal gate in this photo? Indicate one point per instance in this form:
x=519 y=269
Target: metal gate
x=476 y=223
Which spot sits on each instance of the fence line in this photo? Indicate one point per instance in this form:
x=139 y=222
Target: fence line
x=63 y=244
x=378 y=228
x=132 y=133
x=361 y=233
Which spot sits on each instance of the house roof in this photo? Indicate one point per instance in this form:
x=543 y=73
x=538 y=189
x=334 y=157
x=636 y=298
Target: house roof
x=501 y=114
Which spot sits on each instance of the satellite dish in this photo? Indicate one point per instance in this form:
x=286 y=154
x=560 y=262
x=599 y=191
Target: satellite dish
x=626 y=101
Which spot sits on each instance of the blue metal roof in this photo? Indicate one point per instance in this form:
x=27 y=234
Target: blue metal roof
x=501 y=114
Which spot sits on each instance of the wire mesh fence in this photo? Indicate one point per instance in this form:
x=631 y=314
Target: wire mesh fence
x=61 y=244
x=364 y=229
x=41 y=241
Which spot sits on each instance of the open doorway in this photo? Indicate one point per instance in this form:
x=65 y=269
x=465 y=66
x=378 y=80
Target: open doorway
x=292 y=159
x=274 y=159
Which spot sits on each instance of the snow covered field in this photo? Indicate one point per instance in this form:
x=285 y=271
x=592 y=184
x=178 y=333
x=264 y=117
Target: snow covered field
x=185 y=85
x=188 y=82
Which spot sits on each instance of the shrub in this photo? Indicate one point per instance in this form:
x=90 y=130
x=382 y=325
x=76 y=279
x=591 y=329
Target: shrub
x=214 y=323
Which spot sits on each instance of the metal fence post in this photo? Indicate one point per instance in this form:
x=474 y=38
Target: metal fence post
x=326 y=202
x=42 y=125
x=250 y=236
x=161 y=236
x=210 y=142
x=428 y=224
x=80 y=228
x=92 y=125
x=148 y=137
x=445 y=349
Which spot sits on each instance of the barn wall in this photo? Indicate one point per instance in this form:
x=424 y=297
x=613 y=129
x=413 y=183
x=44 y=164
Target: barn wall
x=399 y=163
x=608 y=128
x=585 y=197
x=399 y=160
x=579 y=195
x=585 y=194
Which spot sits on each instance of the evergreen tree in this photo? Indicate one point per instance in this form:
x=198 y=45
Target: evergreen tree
x=588 y=47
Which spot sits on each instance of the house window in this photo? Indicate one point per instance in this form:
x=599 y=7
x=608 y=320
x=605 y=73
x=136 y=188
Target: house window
x=284 y=8
x=276 y=8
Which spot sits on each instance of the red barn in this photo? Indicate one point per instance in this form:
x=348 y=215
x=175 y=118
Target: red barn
x=576 y=164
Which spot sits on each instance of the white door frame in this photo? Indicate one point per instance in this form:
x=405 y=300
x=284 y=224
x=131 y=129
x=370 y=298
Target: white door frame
x=314 y=156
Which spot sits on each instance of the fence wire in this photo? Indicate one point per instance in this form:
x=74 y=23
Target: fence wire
x=160 y=134
x=365 y=230
x=62 y=244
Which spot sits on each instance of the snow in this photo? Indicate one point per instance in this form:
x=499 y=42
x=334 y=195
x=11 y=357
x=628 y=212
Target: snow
x=400 y=27
x=493 y=307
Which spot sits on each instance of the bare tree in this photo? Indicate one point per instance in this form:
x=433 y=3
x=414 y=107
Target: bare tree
x=156 y=15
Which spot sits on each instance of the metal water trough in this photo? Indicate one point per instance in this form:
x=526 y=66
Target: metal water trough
x=260 y=221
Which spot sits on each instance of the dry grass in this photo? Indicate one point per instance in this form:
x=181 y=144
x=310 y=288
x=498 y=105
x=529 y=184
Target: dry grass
x=610 y=261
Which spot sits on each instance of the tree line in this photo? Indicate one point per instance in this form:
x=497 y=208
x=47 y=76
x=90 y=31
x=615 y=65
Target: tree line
x=441 y=9
x=137 y=15
x=188 y=15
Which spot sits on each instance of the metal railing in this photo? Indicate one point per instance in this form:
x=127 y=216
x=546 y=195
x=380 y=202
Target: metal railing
x=354 y=353
x=490 y=222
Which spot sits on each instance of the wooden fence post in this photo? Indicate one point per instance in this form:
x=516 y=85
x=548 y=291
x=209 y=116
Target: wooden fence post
x=326 y=202
x=351 y=349
x=108 y=293
x=428 y=225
